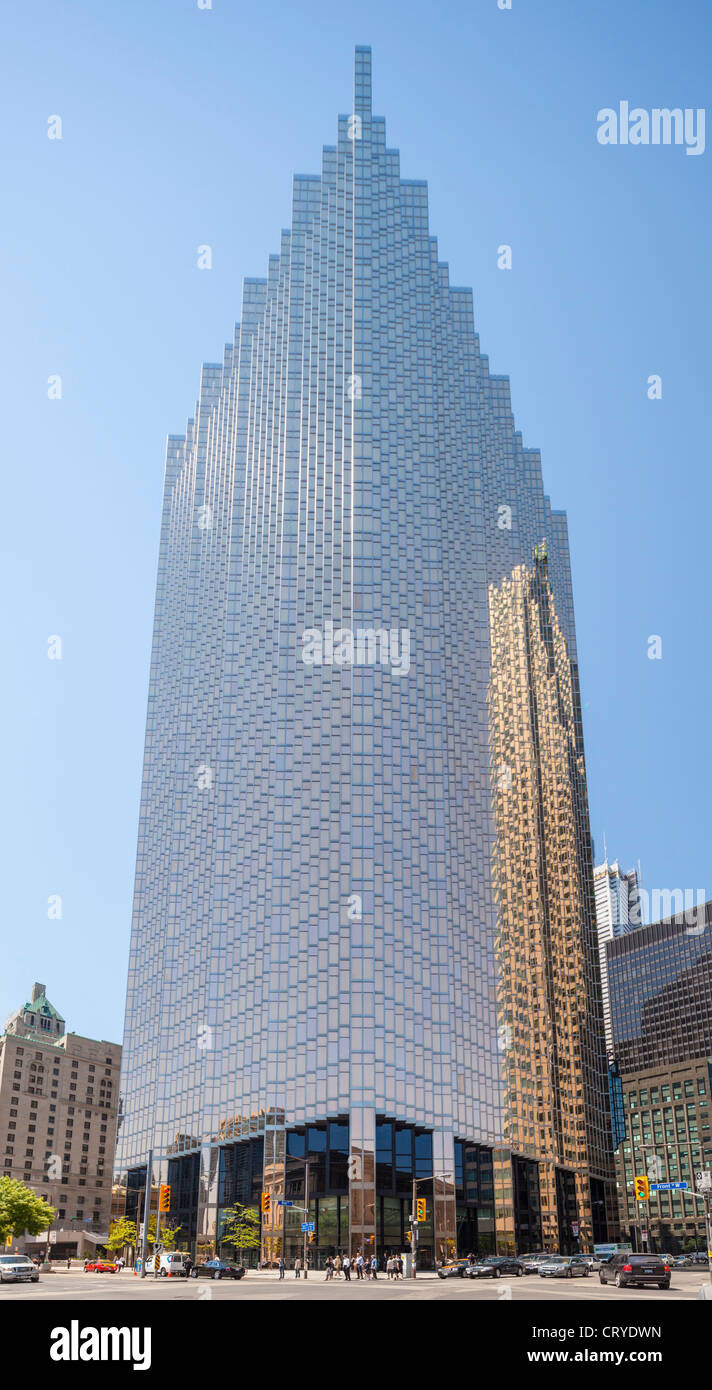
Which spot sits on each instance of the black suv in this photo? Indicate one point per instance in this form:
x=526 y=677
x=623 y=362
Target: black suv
x=626 y=1271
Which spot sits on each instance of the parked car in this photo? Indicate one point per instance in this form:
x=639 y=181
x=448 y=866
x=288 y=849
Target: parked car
x=493 y=1267
x=531 y=1263
x=564 y=1267
x=629 y=1271
x=453 y=1269
x=217 y=1269
x=101 y=1267
x=18 y=1269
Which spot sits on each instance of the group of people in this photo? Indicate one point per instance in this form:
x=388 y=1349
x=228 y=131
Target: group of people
x=363 y=1266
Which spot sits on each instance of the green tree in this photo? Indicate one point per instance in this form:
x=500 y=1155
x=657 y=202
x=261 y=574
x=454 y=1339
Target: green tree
x=122 y=1232
x=241 y=1227
x=169 y=1236
x=22 y=1210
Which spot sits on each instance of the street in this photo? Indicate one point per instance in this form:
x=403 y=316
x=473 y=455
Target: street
x=73 y=1285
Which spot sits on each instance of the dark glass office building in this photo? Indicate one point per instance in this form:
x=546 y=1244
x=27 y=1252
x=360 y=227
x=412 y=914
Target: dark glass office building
x=363 y=593
x=660 y=980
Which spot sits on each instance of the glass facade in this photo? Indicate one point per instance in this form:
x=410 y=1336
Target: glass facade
x=660 y=980
x=315 y=956
x=555 y=1084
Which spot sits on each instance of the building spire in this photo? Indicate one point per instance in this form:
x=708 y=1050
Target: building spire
x=362 y=81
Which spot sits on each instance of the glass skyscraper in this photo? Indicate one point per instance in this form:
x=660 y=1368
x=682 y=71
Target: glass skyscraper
x=316 y=969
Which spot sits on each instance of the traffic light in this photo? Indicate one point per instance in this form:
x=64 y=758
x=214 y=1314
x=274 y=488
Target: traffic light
x=312 y=1238
x=407 y=1236
x=265 y=1203
x=420 y=1209
x=164 y=1197
x=642 y=1189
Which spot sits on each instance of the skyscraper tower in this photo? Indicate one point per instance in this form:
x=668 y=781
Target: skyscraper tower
x=618 y=911
x=316 y=975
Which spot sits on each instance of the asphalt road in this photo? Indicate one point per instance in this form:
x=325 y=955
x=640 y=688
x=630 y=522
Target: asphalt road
x=73 y=1285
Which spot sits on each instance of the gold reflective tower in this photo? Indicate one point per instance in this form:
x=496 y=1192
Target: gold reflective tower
x=549 y=999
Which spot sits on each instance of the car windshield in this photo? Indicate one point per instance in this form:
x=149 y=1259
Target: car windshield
x=15 y=1260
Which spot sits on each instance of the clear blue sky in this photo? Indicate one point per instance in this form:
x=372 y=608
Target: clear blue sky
x=183 y=127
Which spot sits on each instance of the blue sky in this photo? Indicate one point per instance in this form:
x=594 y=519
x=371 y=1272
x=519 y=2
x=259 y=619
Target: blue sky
x=183 y=127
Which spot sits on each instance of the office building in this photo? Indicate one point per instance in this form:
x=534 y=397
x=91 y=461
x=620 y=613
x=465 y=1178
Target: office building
x=661 y=1011
x=320 y=971
x=618 y=910
x=58 y=1109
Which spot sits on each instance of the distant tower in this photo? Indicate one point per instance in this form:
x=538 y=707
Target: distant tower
x=618 y=910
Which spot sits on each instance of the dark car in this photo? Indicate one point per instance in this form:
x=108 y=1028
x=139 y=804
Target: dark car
x=217 y=1269
x=494 y=1266
x=453 y=1269
x=627 y=1271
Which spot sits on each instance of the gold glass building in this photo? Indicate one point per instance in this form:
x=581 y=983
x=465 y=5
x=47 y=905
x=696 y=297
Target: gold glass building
x=549 y=997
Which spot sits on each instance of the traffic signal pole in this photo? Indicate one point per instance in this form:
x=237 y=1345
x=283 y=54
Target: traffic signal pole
x=414 y=1227
x=306 y=1215
x=146 y=1211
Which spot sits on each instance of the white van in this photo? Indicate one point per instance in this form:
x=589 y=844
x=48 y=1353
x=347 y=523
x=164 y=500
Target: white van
x=173 y=1264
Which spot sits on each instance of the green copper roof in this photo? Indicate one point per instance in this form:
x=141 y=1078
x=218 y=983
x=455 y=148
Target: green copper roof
x=41 y=1005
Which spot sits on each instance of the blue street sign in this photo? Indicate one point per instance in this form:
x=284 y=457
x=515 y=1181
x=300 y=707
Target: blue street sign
x=667 y=1186
x=285 y=1204
x=308 y=1226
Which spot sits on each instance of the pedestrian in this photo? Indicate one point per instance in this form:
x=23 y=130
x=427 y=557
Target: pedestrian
x=297 y=1267
x=389 y=1267
x=329 y=1267
x=374 y=1267
x=69 y=1262
x=359 y=1265
x=120 y=1264
x=188 y=1265
x=347 y=1269
x=281 y=1266
x=337 y=1266
x=399 y=1267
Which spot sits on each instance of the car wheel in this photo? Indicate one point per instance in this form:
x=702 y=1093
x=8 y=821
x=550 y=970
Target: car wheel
x=162 y=1274
x=618 y=1281
x=569 y=1273
x=440 y=1274
x=497 y=1274
x=193 y=1273
x=520 y=1273
x=216 y=1274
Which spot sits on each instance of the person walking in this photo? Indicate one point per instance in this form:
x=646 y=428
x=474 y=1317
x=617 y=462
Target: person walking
x=329 y=1267
x=389 y=1267
x=359 y=1265
x=120 y=1264
x=188 y=1265
x=374 y=1268
x=69 y=1262
x=346 y=1266
x=337 y=1266
x=297 y=1267
x=281 y=1266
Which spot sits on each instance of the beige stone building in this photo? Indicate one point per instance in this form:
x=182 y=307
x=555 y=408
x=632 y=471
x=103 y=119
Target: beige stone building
x=58 y=1110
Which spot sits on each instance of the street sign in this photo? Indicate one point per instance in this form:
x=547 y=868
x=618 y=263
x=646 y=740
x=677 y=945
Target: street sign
x=574 y=1228
x=667 y=1186
x=308 y=1226
x=703 y=1180
x=285 y=1204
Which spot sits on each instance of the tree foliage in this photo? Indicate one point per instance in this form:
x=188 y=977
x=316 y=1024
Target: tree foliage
x=241 y=1227
x=22 y=1210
